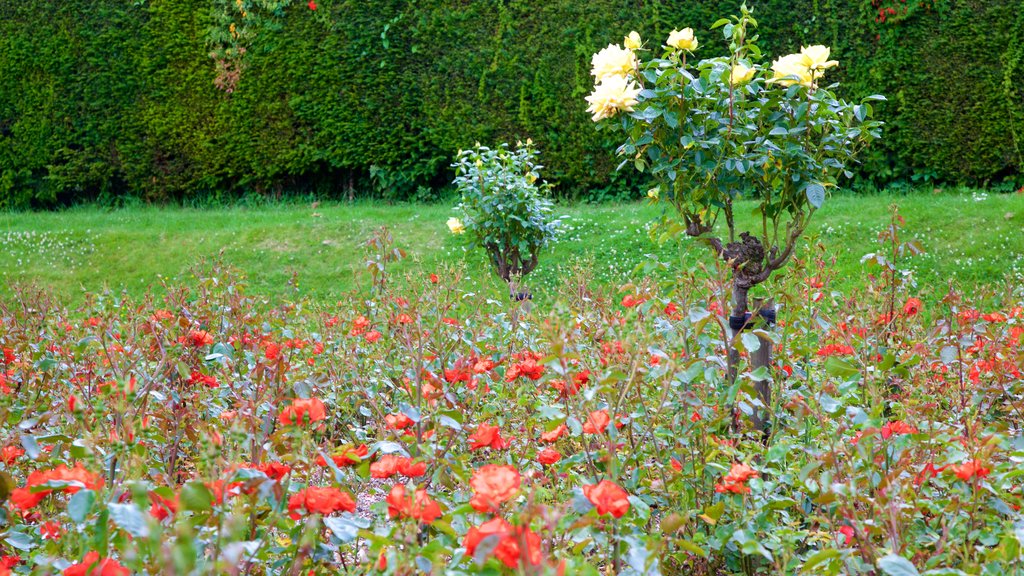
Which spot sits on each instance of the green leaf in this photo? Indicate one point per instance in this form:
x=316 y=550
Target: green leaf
x=346 y=528
x=840 y=368
x=80 y=505
x=815 y=194
x=819 y=557
x=895 y=565
x=195 y=496
x=129 y=518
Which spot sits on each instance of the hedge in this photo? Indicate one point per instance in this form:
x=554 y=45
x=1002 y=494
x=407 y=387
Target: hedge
x=117 y=99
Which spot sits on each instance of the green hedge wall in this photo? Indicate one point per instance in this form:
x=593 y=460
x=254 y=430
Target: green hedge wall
x=114 y=99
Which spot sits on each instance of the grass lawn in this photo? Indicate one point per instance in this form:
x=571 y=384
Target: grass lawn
x=975 y=238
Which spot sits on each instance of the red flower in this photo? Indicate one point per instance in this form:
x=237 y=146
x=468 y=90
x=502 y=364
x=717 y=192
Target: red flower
x=897 y=427
x=847 y=532
x=511 y=545
x=608 y=497
x=50 y=531
x=487 y=436
x=10 y=453
x=162 y=507
x=199 y=338
x=835 y=350
x=312 y=4
x=929 y=471
x=346 y=456
x=493 y=485
x=301 y=408
x=434 y=279
x=528 y=368
x=418 y=506
x=630 y=300
x=912 y=307
x=315 y=500
x=548 y=456
x=272 y=351
x=970 y=469
x=398 y=421
x=391 y=464
x=76 y=478
x=558 y=432
x=735 y=481
x=597 y=422
x=94 y=566
x=199 y=378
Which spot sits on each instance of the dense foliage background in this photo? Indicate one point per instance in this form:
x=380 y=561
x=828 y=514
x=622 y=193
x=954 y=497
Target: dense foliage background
x=116 y=99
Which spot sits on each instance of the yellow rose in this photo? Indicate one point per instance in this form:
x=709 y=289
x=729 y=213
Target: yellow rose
x=612 y=61
x=792 y=65
x=816 y=57
x=740 y=74
x=613 y=94
x=683 y=39
x=455 y=225
x=653 y=193
x=632 y=42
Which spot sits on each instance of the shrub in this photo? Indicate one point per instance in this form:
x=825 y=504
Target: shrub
x=505 y=207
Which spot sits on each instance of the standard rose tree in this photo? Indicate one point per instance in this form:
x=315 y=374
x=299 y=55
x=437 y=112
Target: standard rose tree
x=712 y=131
x=505 y=209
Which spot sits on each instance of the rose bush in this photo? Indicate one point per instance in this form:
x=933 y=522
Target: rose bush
x=505 y=208
x=420 y=432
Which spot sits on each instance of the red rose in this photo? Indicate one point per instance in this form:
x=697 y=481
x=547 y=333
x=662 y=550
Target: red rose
x=608 y=498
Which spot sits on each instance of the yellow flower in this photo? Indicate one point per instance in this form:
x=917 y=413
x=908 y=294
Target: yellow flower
x=456 y=226
x=792 y=65
x=612 y=61
x=531 y=178
x=632 y=42
x=613 y=94
x=816 y=57
x=740 y=74
x=653 y=193
x=683 y=39
x=479 y=163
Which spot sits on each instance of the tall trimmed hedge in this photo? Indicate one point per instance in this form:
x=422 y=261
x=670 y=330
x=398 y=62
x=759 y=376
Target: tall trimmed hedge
x=117 y=98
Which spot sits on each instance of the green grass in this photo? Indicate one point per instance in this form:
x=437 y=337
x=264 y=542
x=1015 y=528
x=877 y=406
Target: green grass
x=975 y=238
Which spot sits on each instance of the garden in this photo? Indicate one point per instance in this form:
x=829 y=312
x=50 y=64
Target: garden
x=749 y=369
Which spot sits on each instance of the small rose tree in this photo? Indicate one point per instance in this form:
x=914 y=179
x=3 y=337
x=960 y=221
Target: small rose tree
x=714 y=130
x=505 y=208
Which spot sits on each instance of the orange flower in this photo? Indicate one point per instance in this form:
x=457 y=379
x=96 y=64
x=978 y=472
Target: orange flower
x=346 y=456
x=76 y=478
x=301 y=408
x=162 y=507
x=548 y=456
x=493 y=485
x=970 y=469
x=912 y=307
x=391 y=464
x=418 y=506
x=527 y=367
x=552 y=436
x=315 y=500
x=597 y=422
x=735 y=481
x=511 y=545
x=199 y=338
x=10 y=453
x=94 y=566
x=896 y=428
x=487 y=436
x=608 y=498
x=398 y=421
